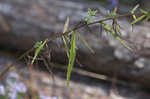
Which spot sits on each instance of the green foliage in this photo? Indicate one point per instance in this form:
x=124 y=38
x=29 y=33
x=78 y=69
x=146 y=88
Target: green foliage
x=66 y=46
x=138 y=19
x=111 y=14
x=115 y=35
x=108 y=28
x=145 y=15
x=116 y=28
x=37 y=44
x=72 y=55
x=91 y=14
x=70 y=44
x=20 y=95
x=38 y=47
x=143 y=11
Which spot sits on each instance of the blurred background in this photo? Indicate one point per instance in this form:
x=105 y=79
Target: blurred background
x=112 y=72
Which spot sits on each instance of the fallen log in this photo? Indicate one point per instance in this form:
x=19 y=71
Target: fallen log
x=24 y=23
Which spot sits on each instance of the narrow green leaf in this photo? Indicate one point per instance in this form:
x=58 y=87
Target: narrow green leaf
x=108 y=28
x=117 y=27
x=85 y=43
x=66 y=46
x=138 y=19
x=71 y=57
x=123 y=43
x=37 y=51
x=143 y=11
x=92 y=12
x=115 y=35
x=64 y=40
x=147 y=17
x=133 y=10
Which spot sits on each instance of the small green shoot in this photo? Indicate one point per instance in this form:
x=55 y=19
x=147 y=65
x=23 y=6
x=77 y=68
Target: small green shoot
x=91 y=14
x=112 y=14
x=38 y=47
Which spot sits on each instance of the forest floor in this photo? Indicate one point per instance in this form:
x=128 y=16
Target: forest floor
x=50 y=86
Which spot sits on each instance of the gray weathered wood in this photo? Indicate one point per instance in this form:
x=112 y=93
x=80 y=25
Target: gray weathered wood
x=22 y=23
